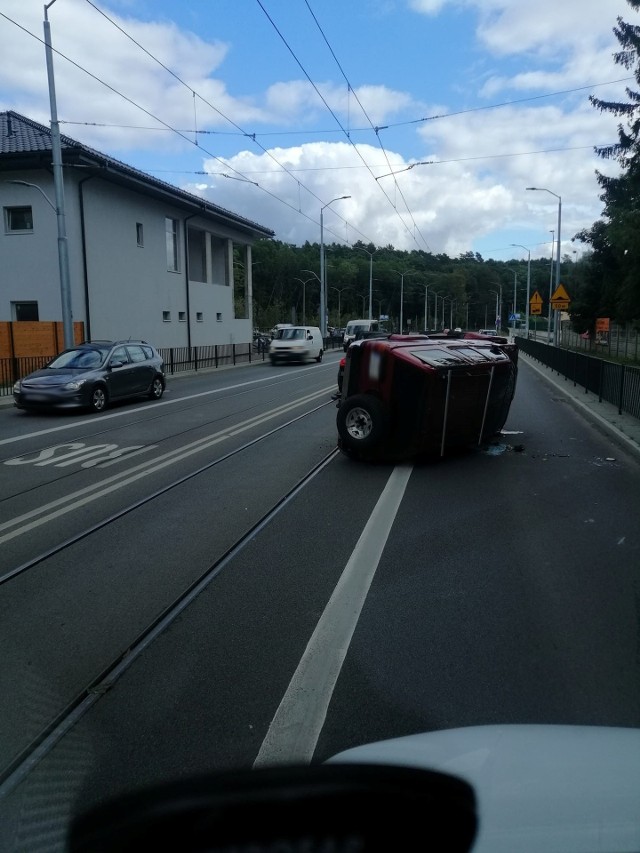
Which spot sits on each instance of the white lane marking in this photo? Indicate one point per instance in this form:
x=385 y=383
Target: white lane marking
x=85 y=455
x=296 y=726
x=158 y=404
x=81 y=497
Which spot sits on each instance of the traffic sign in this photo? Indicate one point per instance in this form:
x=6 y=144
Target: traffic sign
x=560 y=299
x=535 y=304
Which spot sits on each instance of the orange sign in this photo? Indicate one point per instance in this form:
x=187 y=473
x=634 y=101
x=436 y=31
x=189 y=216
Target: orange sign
x=602 y=324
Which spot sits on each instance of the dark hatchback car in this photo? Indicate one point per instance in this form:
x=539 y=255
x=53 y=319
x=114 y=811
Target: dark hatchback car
x=408 y=396
x=91 y=375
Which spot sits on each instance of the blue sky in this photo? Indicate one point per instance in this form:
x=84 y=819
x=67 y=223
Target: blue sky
x=433 y=115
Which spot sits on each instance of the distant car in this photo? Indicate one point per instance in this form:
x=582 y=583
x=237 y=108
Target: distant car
x=406 y=396
x=91 y=375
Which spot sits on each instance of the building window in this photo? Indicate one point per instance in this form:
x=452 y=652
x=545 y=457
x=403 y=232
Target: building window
x=23 y=311
x=182 y=316
x=171 y=233
x=199 y=317
x=139 y=234
x=166 y=316
x=18 y=220
x=219 y=317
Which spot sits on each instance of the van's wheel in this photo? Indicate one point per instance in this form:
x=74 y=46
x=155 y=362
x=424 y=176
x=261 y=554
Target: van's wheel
x=362 y=422
x=319 y=358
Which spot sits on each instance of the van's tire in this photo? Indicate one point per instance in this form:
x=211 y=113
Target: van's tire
x=362 y=422
x=319 y=357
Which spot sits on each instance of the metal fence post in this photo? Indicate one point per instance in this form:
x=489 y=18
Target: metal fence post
x=600 y=381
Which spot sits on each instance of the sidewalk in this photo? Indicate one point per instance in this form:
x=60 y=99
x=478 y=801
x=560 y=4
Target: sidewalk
x=622 y=428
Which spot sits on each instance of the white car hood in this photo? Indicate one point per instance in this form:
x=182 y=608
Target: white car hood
x=538 y=788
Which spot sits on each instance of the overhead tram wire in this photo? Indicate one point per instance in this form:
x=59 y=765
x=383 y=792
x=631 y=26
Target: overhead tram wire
x=241 y=130
x=375 y=129
x=181 y=134
x=335 y=117
x=357 y=129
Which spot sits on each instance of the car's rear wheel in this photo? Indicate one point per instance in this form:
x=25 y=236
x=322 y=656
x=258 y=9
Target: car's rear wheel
x=362 y=422
x=99 y=399
x=157 y=389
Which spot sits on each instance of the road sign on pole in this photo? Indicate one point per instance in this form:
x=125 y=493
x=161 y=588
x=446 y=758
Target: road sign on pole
x=560 y=299
x=535 y=304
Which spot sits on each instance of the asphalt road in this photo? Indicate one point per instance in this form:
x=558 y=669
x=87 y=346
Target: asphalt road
x=495 y=586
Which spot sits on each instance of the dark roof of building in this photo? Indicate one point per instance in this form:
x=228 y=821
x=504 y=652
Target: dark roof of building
x=25 y=144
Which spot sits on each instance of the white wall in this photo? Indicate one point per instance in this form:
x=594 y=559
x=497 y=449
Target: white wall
x=129 y=287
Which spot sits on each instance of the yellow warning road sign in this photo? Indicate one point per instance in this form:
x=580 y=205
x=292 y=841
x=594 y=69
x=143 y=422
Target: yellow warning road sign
x=560 y=299
x=535 y=304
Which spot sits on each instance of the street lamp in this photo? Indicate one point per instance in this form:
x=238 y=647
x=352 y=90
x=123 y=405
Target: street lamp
x=371 y=254
x=559 y=238
x=63 y=266
x=339 y=291
x=520 y=246
x=436 y=295
x=323 y=285
x=426 y=313
x=515 y=291
x=304 y=283
x=451 y=300
x=402 y=275
x=58 y=183
x=498 y=308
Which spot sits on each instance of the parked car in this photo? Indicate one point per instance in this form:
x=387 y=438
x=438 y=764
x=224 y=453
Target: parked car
x=91 y=375
x=404 y=396
x=297 y=343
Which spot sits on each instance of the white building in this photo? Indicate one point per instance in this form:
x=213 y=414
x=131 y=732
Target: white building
x=146 y=259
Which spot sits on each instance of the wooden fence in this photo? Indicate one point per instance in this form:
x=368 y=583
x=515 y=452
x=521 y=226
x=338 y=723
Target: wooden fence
x=28 y=339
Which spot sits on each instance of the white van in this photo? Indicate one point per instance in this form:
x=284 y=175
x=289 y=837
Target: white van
x=355 y=326
x=297 y=343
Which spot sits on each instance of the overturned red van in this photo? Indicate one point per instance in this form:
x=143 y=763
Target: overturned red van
x=405 y=396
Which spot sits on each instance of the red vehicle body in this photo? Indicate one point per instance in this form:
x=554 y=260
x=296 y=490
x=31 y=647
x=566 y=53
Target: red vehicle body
x=406 y=396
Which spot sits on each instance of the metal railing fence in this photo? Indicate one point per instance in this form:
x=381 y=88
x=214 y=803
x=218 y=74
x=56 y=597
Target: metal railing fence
x=614 y=383
x=176 y=359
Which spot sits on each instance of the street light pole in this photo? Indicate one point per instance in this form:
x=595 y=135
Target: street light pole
x=519 y=245
x=426 y=293
x=559 y=238
x=515 y=296
x=550 y=288
x=323 y=284
x=360 y=249
x=58 y=182
x=402 y=275
x=304 y=284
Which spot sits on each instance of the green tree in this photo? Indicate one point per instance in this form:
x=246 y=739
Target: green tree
x=616 y=238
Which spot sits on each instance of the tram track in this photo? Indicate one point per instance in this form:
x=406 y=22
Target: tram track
x=27 y=759
x=25 y=522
